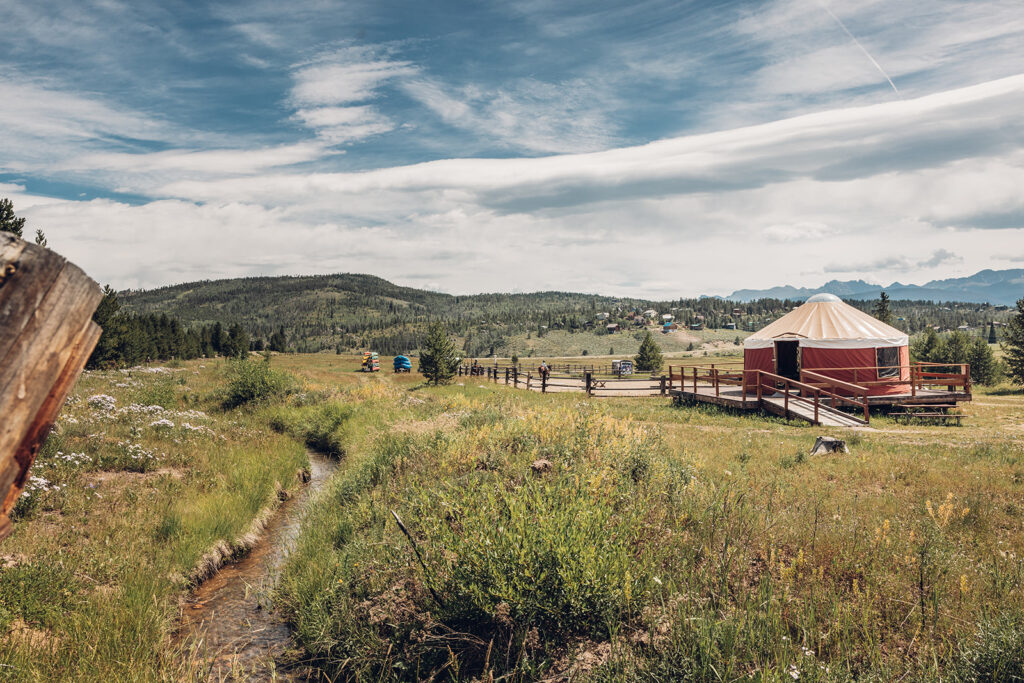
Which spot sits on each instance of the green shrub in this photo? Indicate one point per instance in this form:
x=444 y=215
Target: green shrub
x=996 y=652
x=254 y=382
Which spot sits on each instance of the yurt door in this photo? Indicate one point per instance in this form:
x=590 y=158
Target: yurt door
x=787 y=359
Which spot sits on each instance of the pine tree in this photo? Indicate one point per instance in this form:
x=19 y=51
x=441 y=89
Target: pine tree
x=8 y=221
x=1013 y=344
x=992 y=339
x=923 y=348
x=985 y=369
x=41 y=239
x=437 y=361
x=648 y=359
x=882 y=311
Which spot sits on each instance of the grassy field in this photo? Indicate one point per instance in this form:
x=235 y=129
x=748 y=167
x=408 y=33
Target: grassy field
x=549 y=536
x=627 y=539
x=144 y=474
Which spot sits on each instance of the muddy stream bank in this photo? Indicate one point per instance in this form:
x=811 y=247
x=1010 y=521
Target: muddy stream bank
x=229 y=619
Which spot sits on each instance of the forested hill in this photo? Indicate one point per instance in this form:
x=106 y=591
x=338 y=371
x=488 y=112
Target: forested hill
x=352 y=311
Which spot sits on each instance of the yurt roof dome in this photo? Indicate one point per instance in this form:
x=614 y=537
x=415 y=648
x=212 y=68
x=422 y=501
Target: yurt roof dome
x=825 y=321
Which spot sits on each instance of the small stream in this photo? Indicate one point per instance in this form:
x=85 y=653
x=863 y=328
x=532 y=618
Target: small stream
x=230 y=617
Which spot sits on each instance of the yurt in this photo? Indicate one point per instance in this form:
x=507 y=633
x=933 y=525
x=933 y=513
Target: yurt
x=831 y=338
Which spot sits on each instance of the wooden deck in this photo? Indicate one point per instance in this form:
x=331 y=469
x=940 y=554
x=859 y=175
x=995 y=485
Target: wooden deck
x=736 y=399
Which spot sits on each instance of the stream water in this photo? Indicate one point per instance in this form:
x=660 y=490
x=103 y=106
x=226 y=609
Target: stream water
x=230 y=618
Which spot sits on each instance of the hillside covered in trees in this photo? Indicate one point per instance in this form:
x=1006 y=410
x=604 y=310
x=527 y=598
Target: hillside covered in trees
x=351 y=311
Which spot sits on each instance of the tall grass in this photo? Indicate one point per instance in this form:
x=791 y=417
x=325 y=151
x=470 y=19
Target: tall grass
x=632 y=541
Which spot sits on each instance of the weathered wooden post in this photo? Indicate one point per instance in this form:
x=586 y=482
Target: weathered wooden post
x=515 y=376
x=528 y=378
x=506 y=376
x=46 y=336
x=663 y=387
x=588 y=382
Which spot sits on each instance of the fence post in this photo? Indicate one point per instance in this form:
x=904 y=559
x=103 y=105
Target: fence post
x=543 y=382
x=506 y=376
x=529 y=376
x=785 y=401
x=695 y=379
x=817 y=400
x=588 y=382
x=663 y=389
x=515 y=377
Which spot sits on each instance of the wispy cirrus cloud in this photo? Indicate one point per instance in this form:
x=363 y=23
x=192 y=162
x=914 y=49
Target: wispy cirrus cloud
x=331 y=94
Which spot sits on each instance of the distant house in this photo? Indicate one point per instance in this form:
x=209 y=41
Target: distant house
x=602 y=316
x=697 y=326
x=737 y=311
x=651 y=313
x=730 y=326
x=667 y=317
x=669 y=327
x=612 y=328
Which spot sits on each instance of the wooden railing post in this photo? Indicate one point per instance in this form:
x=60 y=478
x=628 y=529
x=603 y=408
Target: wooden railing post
x=966 y=369
x=785 y=399
x=588 y=382
x=515 y=377
x=529 y=376
x=817 y=402
x=663 y=387
x=695 y=380
x=506 y=375
x=543 y=382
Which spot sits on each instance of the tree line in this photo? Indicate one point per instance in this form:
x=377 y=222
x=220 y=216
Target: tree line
x=131 y=338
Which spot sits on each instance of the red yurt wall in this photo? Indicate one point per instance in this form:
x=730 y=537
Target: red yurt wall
x=757 y=359
x=823 y=359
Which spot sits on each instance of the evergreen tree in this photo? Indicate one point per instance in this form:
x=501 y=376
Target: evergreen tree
x=924 y=347
x=8 y=221
x=992 y=333
x=648 y=359
x=985 y=369
x=438 y=362
x=278 y=341
x=1013 y=344
x=41 y=239
x=881 y=310
x=953 y=349
x=106 y=316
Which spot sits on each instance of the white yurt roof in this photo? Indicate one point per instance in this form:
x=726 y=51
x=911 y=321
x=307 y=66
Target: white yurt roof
x=824 y=321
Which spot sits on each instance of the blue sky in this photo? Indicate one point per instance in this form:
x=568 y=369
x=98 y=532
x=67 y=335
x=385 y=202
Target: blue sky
x=647 y=148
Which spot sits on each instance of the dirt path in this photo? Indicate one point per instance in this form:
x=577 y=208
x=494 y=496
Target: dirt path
x=229 y=619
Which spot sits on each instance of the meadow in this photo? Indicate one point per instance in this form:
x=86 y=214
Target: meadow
x=554 y=537
x=548 y=536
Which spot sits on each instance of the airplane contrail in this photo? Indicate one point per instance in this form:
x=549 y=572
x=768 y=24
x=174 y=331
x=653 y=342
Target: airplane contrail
x=862 y=48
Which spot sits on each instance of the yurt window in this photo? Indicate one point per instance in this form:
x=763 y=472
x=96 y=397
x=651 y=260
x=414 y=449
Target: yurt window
x=887 y=359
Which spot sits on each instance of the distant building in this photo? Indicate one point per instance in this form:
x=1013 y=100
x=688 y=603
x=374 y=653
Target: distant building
x=667 y=317
x=697 y=326
x=651 y=313
x=730 y=326
x=612 y=328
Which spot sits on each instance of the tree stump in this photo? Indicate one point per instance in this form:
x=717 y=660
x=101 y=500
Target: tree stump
x=828 y=444
x=46 y=336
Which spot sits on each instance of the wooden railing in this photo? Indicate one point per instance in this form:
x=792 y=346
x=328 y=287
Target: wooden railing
x=918 y=375
x=589 y=382
x=793 y=390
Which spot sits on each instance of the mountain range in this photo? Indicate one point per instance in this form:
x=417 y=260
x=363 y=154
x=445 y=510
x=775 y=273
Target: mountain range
x=996 y=287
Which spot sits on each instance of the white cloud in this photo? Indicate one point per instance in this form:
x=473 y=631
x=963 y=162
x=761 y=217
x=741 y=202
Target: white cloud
x=325 y=91
x=527 y=114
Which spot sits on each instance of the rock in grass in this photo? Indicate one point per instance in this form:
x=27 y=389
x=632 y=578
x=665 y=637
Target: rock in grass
x=541 y=466
x=829 y=444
